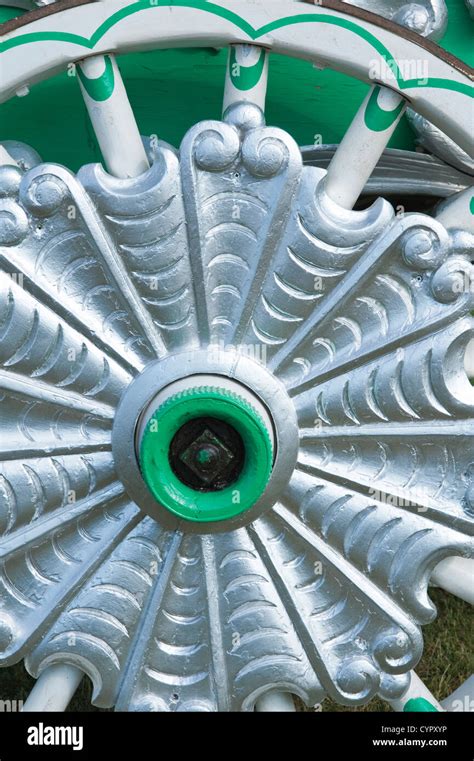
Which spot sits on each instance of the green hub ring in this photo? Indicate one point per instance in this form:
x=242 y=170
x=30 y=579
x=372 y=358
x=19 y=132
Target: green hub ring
x=164 y=484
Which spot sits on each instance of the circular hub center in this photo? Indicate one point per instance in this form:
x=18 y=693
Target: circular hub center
x=206 y=452
x=205 y=441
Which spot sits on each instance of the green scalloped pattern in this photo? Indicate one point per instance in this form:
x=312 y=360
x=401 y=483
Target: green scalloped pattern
x=249 y=76
x=99 y=88
x=241 y=23
x=376 y=118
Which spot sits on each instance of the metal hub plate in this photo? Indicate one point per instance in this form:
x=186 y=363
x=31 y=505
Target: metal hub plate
x=351 y=328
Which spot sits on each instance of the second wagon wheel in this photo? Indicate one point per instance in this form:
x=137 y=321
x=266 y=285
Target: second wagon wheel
x=236 y=426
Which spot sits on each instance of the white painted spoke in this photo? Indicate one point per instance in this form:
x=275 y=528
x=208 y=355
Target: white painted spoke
x=456 y=575
x=417 y=698
x=461 y=699
x=469 y=360
x=246 y=76
x=5 y=158
x=54 y=689
x=347 y=48
x=275 y=702
x=112 y=116
x=363 y=144
x=457 y=212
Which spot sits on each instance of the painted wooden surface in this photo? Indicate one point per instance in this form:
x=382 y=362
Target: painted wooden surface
x=172 y=89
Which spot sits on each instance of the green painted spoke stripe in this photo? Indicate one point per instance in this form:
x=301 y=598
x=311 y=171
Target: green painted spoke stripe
x=100 y=88
x=208 y=7
x=420 y=705
x=248 y=76
x=378 y=119
x=182 y=500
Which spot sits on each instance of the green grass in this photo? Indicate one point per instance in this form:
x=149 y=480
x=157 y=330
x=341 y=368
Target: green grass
x=446 y=661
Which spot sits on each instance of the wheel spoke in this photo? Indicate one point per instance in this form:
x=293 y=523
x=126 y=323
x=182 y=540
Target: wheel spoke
x=246 y=76
x=457 y=212
x=5 y=157
x=112 y=116
x=456 y=575
x=461 y=699
x=50 y=394
x=417 y=698
x=275 y=702
x=356 y=280
x=54 y=689
x=363 y=144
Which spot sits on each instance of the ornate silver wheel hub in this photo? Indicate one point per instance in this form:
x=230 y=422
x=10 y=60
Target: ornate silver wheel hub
x=215 y=366
x=331 y=342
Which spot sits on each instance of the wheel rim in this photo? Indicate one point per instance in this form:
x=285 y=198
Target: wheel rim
x=450 y=79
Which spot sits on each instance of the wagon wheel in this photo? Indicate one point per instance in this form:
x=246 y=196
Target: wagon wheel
x=238 y=426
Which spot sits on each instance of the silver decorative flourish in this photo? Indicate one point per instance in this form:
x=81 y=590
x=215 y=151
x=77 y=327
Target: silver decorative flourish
x=363 y=318
x=435 y=141
x=426 y=17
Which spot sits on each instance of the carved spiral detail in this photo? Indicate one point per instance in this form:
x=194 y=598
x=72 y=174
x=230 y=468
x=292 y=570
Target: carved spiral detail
x=264 y=156
x=453 y=279
x=13 y=223
x=44 y=195
x=394 y=651
x=425 y=248
x=358 y=678
x=217 y=148
x=10 y=179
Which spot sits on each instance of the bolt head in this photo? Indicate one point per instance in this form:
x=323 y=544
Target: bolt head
x=207 y=456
